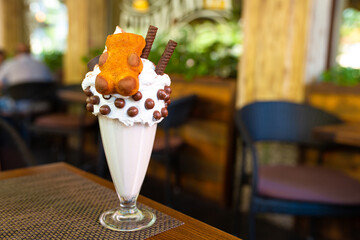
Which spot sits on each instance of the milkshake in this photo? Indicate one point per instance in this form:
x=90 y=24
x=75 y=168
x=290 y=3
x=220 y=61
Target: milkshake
x=130 y=95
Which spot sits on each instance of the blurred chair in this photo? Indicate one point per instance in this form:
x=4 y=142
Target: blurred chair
x=295 y=190
x=167 y=147
x=26 y=100
x=71 y=120
x=32 y=90
x=13 y=151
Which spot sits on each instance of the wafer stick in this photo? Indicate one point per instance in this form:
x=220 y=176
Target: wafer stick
x=91 y=64
x=165 y=58
x=150 y=36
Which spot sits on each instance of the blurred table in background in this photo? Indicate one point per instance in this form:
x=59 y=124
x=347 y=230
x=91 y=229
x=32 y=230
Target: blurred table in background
x=347 y=134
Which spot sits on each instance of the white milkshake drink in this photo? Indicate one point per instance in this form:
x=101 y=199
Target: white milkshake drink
x=129 y=96
x=128 y=150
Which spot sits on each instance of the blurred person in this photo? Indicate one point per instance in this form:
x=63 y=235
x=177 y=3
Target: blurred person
x=23 y=68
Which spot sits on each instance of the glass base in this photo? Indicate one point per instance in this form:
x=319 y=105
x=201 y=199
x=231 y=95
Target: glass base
x=115 y=220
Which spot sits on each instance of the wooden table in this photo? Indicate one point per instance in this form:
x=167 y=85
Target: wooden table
x=346 y=133
x=191 y=229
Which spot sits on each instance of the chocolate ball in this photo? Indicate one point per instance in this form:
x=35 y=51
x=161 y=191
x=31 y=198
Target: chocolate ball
x=149 y=103
x=88 y=92
x=168 y=102
x=157 y=115
x=164 y=112
x=94 y=99
x=168 y=89
x=119 y=103
x=105 y=110
x=90 y=107
x=161 y=94
x=137 y=96
x=132 y=111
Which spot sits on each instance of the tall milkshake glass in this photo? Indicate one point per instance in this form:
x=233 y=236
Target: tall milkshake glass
x=128 y=150
x=130 y=95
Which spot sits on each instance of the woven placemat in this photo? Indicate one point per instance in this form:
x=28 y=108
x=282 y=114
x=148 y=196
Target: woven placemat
x=63 y=205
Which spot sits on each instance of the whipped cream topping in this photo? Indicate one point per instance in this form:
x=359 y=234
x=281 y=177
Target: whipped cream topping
x=149 y=84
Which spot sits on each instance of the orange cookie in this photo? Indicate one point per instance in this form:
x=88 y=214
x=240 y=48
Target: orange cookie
x=121 y=65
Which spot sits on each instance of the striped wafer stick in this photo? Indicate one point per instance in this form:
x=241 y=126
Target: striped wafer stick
x=165 y=58
x=150 y=36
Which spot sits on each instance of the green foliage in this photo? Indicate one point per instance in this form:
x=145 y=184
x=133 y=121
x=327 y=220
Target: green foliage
x=351 y=21
x=342 y=76
x=203 y=49
x=54 y=60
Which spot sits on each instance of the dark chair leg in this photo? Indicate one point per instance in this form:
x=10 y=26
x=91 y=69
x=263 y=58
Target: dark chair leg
x=60 y=149
x=238 y=196
x=168 y=185
x=312 y=233
x=235 y=211
x=176 y=168
x=252 y=228
x=80 y=149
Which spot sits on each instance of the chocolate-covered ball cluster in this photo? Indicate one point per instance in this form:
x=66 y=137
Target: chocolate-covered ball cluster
x=162 y=94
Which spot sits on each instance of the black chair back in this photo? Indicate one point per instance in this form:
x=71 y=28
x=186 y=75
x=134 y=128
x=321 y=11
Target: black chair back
x=34 y=90
x=289 y=189
x=13 y=151
x=179 y=112
x=281 y=121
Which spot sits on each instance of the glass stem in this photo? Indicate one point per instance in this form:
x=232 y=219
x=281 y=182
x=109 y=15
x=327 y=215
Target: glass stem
x=128 y=210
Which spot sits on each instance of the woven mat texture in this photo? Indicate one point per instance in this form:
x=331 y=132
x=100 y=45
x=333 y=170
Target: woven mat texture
x=63 y=205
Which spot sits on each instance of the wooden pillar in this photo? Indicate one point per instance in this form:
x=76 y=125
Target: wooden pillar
x=87 y=31
x=2 y=27
x=318 y=39
x=337 y=10
x=281 y=48
x=113 y=15
x=12 y=25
